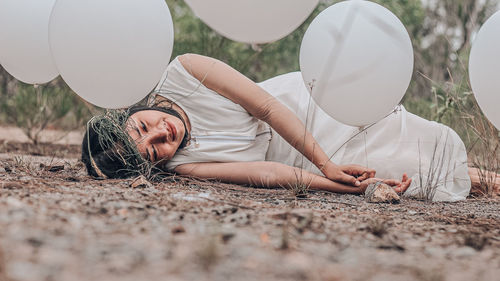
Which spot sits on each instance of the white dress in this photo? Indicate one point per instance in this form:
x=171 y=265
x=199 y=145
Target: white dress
x=430 y=153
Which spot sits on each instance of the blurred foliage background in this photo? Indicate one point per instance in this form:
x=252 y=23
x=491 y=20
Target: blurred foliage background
x=441 y=31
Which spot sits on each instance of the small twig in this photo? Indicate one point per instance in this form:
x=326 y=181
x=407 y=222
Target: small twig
x=318 y=200
x=228 y=203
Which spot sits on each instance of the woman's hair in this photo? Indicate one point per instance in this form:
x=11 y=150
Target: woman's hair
x=109 y=152
x=107 y=149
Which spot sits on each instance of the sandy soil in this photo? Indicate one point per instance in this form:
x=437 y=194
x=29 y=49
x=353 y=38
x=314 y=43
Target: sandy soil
x=14 y=134
x=58 y=224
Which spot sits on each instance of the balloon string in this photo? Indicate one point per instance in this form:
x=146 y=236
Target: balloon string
x=364 y=129
x=306 y=126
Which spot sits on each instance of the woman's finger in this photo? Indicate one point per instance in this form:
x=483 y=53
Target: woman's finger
x=357 y=170
x=392 y=182
x=364 y=176
x=372 y=173
x=405 y=177
x=369 y=172
x=345 y=178
x=404 y=186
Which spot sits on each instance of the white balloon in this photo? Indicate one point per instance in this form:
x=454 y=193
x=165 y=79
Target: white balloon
x=24 y=47
x=484 y=69
x=111 y=52
x=357 y=58
x=253 y=21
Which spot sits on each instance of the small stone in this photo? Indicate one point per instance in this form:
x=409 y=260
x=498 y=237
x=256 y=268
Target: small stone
x=122 y=212
x=225 y=237
x=264 y=238
x=463 y=252
x=51 y=168
x=178 y=230
x=141 y=182
x=434 y=252
x=35 y=242
x=2 y=170
x=55 y=169
x=10 y=185
x=14 y=202
x=381 y=193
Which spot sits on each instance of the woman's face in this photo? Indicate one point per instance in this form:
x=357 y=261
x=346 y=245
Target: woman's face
x=157 y=134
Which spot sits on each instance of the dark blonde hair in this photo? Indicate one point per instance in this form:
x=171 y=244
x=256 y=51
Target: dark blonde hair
x=109 y=152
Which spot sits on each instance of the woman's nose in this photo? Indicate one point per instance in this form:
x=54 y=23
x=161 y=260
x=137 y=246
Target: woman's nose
x=158 y=135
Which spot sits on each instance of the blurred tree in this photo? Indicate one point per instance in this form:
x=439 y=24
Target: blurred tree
x=447 y=34
x=35 y=108
x=266 y=61
x=441 y=32
x=256 y=62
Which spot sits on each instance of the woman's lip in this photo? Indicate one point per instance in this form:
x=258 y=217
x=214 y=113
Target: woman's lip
x=173 y=130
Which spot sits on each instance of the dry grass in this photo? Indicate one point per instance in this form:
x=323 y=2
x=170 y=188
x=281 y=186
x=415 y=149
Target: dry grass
x=485 y=157
x=455 y=105
x=298 y=188
x=434 y=175
x=484 y=153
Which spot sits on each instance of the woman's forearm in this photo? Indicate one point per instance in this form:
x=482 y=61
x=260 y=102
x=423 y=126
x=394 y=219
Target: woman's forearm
x=290 y=176
x=264 y=174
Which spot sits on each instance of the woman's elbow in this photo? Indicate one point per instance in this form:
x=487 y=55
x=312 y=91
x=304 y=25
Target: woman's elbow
x=268 y=176
x=265 y=110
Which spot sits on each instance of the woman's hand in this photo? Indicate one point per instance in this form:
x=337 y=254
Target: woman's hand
x=349 y=174
x=399 y=186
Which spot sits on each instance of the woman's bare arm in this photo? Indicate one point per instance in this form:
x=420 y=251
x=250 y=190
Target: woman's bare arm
x=481 y=178
x=265 y=174
x=228 y=82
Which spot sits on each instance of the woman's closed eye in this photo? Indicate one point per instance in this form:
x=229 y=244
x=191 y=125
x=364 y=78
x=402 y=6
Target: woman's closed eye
x=144 y=127
x=155 y=153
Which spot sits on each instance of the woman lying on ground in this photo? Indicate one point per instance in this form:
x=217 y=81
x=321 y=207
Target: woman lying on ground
x=209 y=121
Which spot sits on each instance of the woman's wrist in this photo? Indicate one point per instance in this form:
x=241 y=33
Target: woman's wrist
x=326 y=167
x=323 y=183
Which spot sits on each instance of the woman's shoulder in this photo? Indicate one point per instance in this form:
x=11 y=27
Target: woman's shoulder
x=185 y=62
x=176 y=78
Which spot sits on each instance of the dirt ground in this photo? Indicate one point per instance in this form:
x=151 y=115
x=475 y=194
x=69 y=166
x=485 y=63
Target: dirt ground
x=58 y=224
